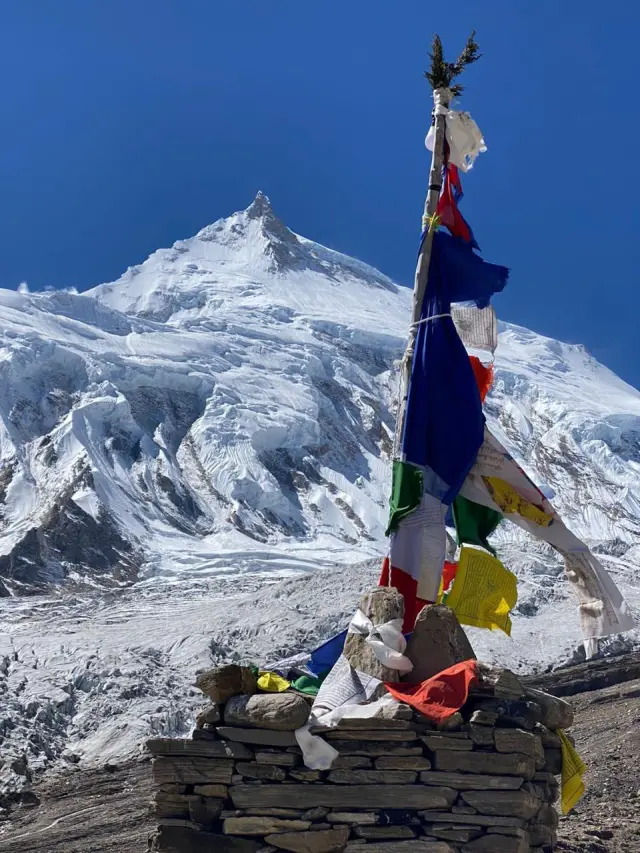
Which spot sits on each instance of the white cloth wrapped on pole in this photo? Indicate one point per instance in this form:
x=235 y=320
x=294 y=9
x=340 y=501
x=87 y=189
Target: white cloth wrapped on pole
x=386 y=640
x=464 y=138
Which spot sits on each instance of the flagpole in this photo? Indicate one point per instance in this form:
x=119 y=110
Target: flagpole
x=441 y=97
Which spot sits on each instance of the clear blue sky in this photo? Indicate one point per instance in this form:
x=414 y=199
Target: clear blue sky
x=128 y=124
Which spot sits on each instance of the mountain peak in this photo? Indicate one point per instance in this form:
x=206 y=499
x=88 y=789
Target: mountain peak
x=260 y=207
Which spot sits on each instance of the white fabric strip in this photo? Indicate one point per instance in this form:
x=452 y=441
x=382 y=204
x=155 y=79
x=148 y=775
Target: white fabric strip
x=477 y=327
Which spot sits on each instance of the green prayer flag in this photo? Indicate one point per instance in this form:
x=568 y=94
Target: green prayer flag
x=406 y=492
x=474 y=523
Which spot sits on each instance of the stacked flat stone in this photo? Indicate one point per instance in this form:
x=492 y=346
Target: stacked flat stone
x=486 y=782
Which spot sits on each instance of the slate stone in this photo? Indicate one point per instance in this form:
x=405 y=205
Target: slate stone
x=283 y=712
x=355 y=762
x=514 y=803
x=498 y=681
x=210 y=749
x=170 y=805
x=436 y=643
x=373 y=748
x=383 y=832
x=257 y=736
x=204 y=734
x=469 y=819
x=305 y=775
x=380 y=605
x=481 y=735
x=331 y=840
x=556 y=713
x=511 y=830
x=520 y=741
x=517 y=712
x=253 y=770
x=356 y=818
x=222 y=683
x=219 y=791
x=448 y=832
x=386 y=735
x=400 y=762
x=434 y=742
x=372 y=777
x=344 y=797
x=416 y=845
x=262 y=825
x=191 y=771
x=319 y=813
x=183 y=839
x=471 y=781
x=273 y=812
x=494 y=843
x=282 y=759
x=486 y=763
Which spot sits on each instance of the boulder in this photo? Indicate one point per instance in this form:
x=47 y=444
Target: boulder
x=284 y=712
x=437 y=642
x=226 y=681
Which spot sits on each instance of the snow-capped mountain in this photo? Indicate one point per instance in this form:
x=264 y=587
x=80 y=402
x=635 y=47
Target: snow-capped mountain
x=226 y=405
x=222 y=416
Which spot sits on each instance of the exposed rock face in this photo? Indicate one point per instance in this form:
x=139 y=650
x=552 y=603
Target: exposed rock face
x=437 y=642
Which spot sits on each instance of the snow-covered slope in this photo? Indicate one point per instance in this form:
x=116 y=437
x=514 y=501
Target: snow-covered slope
x=221 y=417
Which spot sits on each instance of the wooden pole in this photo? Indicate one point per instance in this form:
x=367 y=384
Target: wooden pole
x=441 y=97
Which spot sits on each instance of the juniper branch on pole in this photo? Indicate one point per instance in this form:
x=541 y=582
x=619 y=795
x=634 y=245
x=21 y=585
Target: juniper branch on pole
x=441 y=76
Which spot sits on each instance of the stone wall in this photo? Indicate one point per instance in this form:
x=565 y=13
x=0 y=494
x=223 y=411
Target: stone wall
x=487 y=783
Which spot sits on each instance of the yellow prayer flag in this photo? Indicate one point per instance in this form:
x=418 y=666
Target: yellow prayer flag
x=572 y=769
x=509 y=501
x=483 y=591
x=271 y=682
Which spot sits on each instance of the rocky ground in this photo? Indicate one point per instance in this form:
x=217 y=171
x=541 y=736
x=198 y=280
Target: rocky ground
x=105 y=810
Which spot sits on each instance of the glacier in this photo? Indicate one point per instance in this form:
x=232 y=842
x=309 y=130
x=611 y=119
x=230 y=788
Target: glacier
x=195 y=464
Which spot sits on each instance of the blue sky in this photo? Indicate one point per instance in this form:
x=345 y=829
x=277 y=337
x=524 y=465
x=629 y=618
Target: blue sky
x=129 y=124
